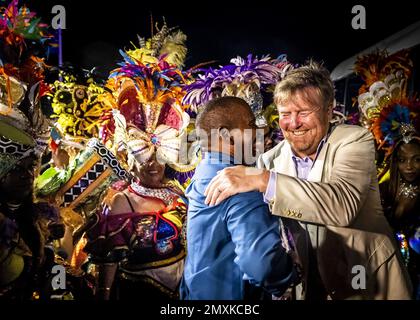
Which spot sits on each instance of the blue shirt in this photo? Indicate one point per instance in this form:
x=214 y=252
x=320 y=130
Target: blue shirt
x=234 y=241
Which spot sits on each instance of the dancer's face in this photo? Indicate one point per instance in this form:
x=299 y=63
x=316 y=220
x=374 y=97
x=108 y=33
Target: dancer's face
x=409 y=162
x=151 y=173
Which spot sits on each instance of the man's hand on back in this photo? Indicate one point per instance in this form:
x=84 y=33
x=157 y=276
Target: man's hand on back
x=234 y=180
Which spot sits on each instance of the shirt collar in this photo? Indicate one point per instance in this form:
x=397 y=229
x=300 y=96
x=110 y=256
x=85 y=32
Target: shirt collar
x=318 y=150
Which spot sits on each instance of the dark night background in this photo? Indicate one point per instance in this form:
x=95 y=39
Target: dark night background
x=220 y=30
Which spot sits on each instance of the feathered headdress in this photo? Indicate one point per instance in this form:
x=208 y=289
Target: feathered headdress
x=383 y=99
x=385 y=79
x=149 y=116
x=167 y=43
x=20 y=24
x=389 y=126
x=379 y=66
x=21 y=81
x=245 y=78
x=21 y=31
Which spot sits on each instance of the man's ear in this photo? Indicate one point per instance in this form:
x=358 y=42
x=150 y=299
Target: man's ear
x=224 y=133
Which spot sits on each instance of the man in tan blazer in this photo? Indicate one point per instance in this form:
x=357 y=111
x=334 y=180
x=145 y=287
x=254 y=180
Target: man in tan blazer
x=322 y=181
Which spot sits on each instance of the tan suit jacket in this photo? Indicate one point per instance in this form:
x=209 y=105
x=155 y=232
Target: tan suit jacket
x=337 y=220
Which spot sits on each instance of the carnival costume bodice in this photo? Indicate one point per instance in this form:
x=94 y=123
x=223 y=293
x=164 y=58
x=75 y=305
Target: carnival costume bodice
x=145 y=244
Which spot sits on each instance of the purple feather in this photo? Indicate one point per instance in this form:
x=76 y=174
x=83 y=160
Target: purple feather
x=264 y=72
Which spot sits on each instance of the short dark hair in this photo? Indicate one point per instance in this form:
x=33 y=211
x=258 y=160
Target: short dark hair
x=222 y=112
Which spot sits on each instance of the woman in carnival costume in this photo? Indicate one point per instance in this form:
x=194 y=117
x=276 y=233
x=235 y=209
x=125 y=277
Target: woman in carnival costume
x=137 y=239
x=393 y=118
x=401 y=198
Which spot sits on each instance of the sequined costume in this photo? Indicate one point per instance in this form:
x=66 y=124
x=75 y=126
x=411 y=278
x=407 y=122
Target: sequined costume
x=147 y=121
x=392 y=115
x=149 y=246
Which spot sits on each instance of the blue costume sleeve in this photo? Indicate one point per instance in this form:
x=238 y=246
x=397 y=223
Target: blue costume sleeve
x=255 y=233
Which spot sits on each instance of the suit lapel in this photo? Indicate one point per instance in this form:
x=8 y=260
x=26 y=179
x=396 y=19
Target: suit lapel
x=317 y=172
x=284 y=163
x=315 y=175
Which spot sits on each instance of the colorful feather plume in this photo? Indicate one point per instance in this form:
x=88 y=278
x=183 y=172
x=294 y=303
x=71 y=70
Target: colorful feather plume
x=386 y=127
x=379 y=64
x=383 y=99
x=24 y=41
x=167 y=44
x=20 y=24
x=149 y=116
x=242 y=77
x=148 y=97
